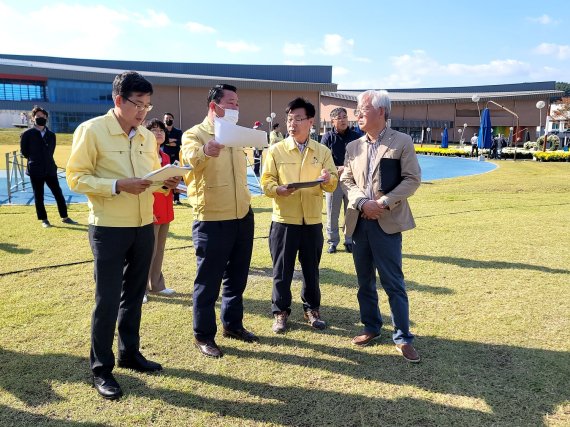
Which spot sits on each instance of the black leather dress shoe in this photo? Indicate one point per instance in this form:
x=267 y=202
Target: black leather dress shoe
x=138 y=363
x=240 y=334
x=331 y=249
x=209 y=348
x=348 y=247
x=107 y=386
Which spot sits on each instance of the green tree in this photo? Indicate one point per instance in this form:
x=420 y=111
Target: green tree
x=563 y=86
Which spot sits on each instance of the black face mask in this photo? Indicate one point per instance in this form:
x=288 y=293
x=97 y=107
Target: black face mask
x=41 y=121
x=169 y=122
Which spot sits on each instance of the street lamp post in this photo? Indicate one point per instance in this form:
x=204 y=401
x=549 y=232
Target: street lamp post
x=462 y=134
x=540 y=105
x=269 y=119
x=428 y=135
x=476 y=98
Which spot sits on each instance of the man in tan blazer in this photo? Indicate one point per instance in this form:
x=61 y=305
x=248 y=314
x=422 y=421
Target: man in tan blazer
x=381 y=171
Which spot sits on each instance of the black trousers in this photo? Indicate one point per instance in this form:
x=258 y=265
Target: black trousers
x=223 y=255
x=38 y=188
x=285 y=241
x=122 y=258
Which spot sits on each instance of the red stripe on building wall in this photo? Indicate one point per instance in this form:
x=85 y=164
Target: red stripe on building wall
x=22 y=77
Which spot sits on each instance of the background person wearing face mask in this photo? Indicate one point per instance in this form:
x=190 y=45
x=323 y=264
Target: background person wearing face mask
x=37 y=144
x=223 y=226
x=172 y=144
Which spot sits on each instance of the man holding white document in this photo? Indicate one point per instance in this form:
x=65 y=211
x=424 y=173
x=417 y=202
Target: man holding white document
x=295 y=173
x=223 y=226
x=109 y=157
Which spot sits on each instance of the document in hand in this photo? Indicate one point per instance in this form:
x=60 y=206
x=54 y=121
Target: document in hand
x=167 y=171
x=237 y=136
x=305 y=184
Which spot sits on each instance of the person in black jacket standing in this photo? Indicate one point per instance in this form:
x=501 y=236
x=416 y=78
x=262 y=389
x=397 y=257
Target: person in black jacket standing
x=37 y=144
x=172 y=145
x=336 y=140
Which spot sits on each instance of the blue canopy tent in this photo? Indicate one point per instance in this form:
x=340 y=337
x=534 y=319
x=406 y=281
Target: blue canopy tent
x=485 y=138
x=445 y=139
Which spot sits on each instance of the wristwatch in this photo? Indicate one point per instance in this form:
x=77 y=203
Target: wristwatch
x=385 y=204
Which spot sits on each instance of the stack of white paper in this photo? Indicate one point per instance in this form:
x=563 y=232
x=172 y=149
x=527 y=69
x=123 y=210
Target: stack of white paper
x=237 y=136
x=167 y=171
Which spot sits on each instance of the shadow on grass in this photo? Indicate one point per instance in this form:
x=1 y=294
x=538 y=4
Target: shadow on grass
x=15 y=417
x=334 y=277
x=471 y=263
x=478 y=384
x=173 y=236
x=509 y=385
x=14 y=249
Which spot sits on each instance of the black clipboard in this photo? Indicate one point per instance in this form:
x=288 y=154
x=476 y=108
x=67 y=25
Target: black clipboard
x=305 y=184
x=390 y=171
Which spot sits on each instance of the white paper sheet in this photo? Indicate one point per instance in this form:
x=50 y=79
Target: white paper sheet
x=167 y=171
x=237 y=136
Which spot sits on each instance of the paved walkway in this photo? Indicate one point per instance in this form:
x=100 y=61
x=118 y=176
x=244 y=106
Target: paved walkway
x=433 y=168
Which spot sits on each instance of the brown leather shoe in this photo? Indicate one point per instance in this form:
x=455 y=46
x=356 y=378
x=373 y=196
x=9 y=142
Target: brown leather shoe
x=314 y=319
x=280 y=323
x=240 y=334
x=365 y=339
x=409 y=352
x=208 y=348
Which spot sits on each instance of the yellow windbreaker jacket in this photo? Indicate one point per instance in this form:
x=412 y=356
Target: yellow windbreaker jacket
x=284 y=164
x=101 y=154
x=217 y=186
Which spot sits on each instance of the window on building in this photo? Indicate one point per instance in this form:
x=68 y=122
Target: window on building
x=78 y=92
x=20 y=90
x=67 y=122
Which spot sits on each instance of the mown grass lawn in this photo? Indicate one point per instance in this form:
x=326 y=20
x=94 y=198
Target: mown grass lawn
x=488 y=276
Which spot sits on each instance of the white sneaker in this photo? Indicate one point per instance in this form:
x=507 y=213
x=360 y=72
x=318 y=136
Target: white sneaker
x=166 y=292
x=145 y=299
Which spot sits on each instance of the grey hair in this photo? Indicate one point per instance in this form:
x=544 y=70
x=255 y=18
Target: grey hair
x=378 y=99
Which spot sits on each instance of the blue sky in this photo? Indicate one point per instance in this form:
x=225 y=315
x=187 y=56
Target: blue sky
x=370 y=44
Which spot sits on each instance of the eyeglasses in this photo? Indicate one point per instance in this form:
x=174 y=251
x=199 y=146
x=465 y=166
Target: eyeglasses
x=362 y=111
x=140 y=107
x=296 y=119
x=340 y=118
x=157 y=130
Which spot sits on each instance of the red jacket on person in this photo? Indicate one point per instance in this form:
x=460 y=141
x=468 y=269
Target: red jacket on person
x=163 y=208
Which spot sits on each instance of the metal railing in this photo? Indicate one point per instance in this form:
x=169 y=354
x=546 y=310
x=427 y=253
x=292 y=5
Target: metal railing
x=15 y=173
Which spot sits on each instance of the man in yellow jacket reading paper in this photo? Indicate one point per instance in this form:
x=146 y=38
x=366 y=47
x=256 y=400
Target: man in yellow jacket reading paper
x=295 y=173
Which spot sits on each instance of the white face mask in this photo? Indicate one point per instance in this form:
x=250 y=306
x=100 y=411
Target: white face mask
x=230 y=116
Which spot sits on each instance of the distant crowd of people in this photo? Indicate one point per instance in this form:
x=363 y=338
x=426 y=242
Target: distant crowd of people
x=370 y=176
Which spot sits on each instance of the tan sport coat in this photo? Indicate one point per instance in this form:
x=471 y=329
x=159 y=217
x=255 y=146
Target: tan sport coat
x=394 y=145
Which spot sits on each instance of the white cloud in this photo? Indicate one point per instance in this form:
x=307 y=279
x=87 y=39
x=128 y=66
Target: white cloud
x=334 y=44
x=293 y=49
x=544 y=20
x=560 y=51
x=196 y=27
x=289 y=62
x=340 y=71
x=362 y=59
x=68 y=34
x=237 y=46
x=417 y=68
x=153 y=19
x=411 y=69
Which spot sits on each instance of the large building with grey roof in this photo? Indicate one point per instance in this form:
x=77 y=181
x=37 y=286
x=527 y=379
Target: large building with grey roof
x=74 y=90
x=415 y=111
